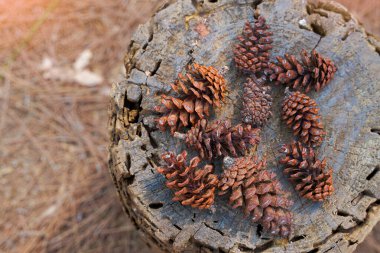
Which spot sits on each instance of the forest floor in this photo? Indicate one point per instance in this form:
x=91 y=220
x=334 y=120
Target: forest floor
x=58 y=60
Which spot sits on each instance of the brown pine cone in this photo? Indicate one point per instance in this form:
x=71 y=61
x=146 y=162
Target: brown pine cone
x=257 y=103
x=308 y=174
x=314 y=71
x=252 y=51
x=301 y=114
x=192 y=186
x=220 y=138
x=258 y=192
x=201 y=88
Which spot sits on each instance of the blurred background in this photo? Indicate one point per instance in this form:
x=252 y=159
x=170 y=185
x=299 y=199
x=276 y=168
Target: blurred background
x=58 y=59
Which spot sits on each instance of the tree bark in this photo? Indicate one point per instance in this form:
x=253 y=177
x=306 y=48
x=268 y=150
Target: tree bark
x=204 y=32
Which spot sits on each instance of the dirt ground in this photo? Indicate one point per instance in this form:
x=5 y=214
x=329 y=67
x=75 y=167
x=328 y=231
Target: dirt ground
x=58 y=59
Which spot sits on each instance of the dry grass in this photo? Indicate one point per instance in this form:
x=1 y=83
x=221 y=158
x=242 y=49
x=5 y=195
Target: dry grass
x=58 y=195
x=56 y=191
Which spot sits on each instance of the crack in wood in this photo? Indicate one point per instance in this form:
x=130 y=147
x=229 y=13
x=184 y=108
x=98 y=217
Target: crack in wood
x=373 y=173
x=319 y=41
x=178 y=227
x=361 y=195
x=156 y=205
x=156 y=67
x=215 y=229
x=263 y=247
x=375 y=130
x=298 y=238
x=256 y=4
x=244 y=248
x=348 y=33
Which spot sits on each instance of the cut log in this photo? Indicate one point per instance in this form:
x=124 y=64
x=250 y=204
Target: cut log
x=204 y=32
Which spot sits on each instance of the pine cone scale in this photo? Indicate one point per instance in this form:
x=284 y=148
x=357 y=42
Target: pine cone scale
x=258 y=193
x=306 y=172
x=315 y=71
x=257 y=103
x=302 y=116
x=220 y=139
x=252 y=51
x=191 y=185
x=200 y=88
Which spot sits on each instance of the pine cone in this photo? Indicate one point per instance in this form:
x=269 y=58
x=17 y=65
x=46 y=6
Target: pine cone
x=252 y=51
x=300 y=113
x=201 y=88
x=307 y=172
x=258 y=192
x=221 y=139
x=314 y=71
x=257 y=103
x=192 y=186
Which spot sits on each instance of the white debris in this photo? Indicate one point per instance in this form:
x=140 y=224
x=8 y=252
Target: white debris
x=83 y=60
x=303 y=24
x=78 y=73
x=64 y=74
x=46 y=63
x=224 y=70
x=50 y=211
x=88 y=78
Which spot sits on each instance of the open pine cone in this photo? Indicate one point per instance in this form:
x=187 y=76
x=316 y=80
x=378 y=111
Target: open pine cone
x=201 y=88
x=220 y=138
x=258 y=192
x=301 y=114
x=192 y=186
x=308 y=174
x=252 y=51
x=257 y=103
x=315 y=71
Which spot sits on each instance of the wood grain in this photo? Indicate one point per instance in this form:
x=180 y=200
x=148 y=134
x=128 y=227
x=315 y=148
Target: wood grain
x=161 y=49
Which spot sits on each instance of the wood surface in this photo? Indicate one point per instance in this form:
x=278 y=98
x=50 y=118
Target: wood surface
x=204 y=32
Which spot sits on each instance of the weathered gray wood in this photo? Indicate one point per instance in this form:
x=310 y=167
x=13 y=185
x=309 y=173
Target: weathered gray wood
x=349 y=106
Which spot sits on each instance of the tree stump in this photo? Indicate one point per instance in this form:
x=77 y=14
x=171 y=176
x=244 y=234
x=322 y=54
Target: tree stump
x=204 y=32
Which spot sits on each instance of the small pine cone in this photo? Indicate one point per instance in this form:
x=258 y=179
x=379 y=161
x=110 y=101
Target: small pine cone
x=192 y=186
x=252 y=51
x=301 y=114
x=221 y=139
x=180 y=113
x=259 y=193
x=314 y=71
x=308 y=174
x=201 y=88
x=257 y=103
